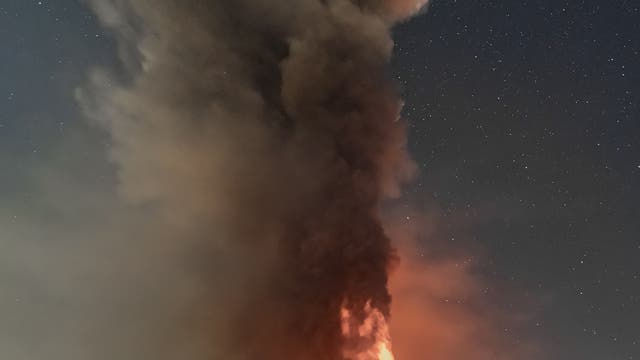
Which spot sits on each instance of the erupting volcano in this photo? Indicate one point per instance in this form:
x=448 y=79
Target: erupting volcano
x=267 y=133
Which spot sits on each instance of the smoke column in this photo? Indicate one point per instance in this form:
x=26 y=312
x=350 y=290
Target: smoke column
x=264 y=134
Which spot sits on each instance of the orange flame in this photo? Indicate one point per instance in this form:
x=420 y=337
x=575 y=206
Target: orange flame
x=373 y=329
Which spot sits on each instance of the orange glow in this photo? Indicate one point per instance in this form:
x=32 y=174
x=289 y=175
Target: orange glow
x=442 y=308
x=373 y=329
x=384 y=353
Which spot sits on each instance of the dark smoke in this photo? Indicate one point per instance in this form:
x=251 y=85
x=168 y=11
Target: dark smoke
x=265 y=134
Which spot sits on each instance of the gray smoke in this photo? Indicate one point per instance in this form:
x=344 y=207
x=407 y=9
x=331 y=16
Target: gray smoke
x=263 y=136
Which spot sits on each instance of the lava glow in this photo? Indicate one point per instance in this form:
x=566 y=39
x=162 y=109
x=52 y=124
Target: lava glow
x=373 y=330
x=384 y=353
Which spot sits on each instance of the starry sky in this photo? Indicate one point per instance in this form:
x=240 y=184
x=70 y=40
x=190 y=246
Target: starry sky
x=524 y=121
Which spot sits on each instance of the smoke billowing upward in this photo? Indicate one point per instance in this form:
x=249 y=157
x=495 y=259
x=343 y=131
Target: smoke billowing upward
x=265 y=134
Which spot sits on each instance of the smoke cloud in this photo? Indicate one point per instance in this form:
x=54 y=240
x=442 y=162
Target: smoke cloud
x=263 y=136
x=253 y=143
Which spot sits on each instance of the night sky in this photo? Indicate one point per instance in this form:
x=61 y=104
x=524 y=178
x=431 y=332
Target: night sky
x=524 y=120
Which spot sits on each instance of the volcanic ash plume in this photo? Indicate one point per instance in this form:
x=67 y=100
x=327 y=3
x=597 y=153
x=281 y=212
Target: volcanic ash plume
x=264 y=134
